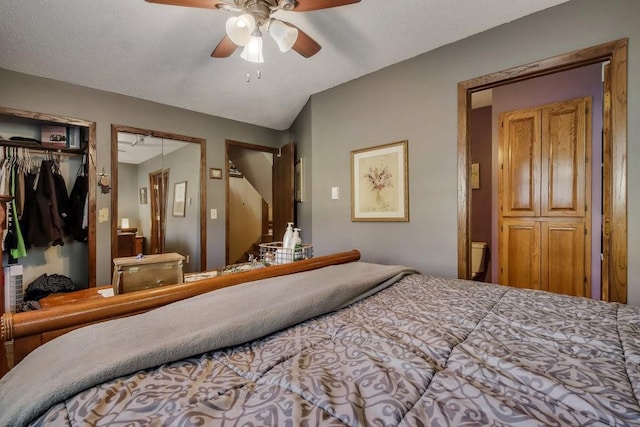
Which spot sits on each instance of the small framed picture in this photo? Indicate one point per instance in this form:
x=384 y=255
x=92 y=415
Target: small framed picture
x=215 y=173
x=475 y=176
x=179 y=198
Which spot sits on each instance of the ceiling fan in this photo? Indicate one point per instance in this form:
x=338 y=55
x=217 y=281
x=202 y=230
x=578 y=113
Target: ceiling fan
x=244 y=30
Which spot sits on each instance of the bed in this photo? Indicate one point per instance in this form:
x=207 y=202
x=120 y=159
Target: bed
x=349 y=344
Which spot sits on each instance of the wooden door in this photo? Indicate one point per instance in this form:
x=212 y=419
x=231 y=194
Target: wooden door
x=544 y=196
x=158 y=182
x=563 y=193
x=521 y=164
x=563 y=260
x=520 y=259
x=283 y=202
x=607 y=196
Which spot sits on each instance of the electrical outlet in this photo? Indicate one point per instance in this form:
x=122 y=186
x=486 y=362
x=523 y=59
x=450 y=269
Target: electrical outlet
x=186 y=259
x=214 y=213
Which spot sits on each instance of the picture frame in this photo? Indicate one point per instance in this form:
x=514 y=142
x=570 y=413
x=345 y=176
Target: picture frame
x=215 y=173
x=380 y=184
x=143 y=195
x=475 y=176
x=299 y=181
x=179 y=198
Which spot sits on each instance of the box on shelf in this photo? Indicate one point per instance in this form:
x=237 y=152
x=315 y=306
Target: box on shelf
x=73 y=137
x=274 y=253
x=54 y=136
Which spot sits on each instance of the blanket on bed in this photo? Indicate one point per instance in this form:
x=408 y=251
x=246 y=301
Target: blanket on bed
x=426 y=351
x=98 y=353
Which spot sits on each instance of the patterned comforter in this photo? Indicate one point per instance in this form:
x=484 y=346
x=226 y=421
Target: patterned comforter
x=425 y=351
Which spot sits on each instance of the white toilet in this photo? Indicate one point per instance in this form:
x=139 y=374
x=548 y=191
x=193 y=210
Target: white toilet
x=478 y=251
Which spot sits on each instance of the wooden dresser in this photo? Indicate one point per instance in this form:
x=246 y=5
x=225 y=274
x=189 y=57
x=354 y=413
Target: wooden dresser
x=132 y=274
x=129 y=243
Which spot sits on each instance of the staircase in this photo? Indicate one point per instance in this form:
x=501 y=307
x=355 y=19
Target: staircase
x=266 y=237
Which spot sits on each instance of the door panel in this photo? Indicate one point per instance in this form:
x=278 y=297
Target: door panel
x=563 y=159
x=283 y=204
x=521 y=170
x=563 y=258
x=607 y=192
x=520 y=261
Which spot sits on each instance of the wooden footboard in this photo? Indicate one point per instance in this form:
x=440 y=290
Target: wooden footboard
x=31 y=329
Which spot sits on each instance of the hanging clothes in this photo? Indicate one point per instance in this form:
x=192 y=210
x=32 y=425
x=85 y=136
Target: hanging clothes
x=29 y=206
x=45 y=224
x=18 y=250
x=62 y=199
x=13 y=242
x=78 y=205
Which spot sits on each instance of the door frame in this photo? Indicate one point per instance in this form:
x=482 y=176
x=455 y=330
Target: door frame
x=114 y=184
x=615 y=156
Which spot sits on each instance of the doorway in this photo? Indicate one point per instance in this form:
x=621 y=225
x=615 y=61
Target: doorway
x=614 y=212
x=259 y=196
x=158 y=182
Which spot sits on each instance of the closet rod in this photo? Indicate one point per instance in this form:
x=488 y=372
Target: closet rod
x=72 y=152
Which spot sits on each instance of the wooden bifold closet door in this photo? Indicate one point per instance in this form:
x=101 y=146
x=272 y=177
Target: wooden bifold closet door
x=544 y=197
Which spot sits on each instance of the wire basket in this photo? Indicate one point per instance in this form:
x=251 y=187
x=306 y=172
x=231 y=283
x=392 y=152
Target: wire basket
x=274 y=253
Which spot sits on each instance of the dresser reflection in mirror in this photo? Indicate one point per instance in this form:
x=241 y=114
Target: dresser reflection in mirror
x=149 y=216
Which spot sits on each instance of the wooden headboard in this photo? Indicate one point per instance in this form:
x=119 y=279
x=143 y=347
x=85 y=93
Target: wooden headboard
x=30 y=329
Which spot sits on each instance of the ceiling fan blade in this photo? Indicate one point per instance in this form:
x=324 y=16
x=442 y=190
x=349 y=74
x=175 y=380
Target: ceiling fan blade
x=304 y=45
x=224 y=49
x=308 y=5
x=205 y=4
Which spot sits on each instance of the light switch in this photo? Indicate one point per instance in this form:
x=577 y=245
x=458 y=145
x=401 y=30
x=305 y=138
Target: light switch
x=335 y=193
x=214 y=213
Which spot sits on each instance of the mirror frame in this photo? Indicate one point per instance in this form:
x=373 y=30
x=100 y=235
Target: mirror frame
x=115 y=129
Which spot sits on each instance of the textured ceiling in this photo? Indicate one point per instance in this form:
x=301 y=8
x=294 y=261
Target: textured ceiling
x=161 y=53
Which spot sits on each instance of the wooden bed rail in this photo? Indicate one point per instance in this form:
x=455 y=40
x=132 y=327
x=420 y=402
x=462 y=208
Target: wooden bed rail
x=30 y=329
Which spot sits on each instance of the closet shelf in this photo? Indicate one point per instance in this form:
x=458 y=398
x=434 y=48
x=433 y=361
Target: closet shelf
x=37 y=147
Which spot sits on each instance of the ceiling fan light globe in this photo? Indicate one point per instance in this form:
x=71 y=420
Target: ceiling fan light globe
x=252 y=52
x=284 y=35
x=239 y=28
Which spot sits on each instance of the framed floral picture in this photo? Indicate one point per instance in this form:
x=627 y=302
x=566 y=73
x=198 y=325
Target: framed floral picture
x=379 y=183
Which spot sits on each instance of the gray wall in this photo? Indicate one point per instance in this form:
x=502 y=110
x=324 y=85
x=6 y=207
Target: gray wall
x=301 y=134
x=128 y=195
x=417 y=100
x=53 y=97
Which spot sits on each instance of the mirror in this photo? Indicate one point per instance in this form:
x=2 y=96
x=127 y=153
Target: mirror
x=158 y=197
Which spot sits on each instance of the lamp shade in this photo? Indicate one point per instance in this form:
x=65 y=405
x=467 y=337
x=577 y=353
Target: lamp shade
x=284 y=35
x=239 y=28
x=252 y=52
